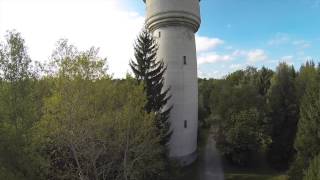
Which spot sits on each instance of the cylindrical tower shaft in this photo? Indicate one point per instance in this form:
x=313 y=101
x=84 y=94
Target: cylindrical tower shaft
x=173 y=23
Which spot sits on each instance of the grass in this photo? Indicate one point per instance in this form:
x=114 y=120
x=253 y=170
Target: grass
x=235 y=176
x=259 y=171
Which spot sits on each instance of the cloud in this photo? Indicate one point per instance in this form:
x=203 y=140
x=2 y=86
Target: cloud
x=256 y=55
x=206 y=43
x=302 y=44
x=102 y=23
x=236 y=66
x=279 y=39
x=213 y=58
x=211 y=74
x=289 y=58
x=285 y=39
x=239 y=53
x=229 y=48
x=252 y=56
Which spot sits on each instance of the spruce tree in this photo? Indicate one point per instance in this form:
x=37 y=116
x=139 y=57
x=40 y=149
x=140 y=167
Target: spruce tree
x=150 y=71
x=306 y=74
x=264 y=80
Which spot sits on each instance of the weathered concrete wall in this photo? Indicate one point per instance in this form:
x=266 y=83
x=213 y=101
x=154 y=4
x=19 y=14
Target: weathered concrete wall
x=174 y=23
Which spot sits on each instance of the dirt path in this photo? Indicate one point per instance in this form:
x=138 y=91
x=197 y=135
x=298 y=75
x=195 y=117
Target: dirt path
x=208 y=165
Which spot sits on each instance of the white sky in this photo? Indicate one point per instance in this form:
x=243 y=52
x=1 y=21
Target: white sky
x=106 y=24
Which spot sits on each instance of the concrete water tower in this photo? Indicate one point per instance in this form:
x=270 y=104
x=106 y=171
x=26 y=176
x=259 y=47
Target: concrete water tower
x=174 y=23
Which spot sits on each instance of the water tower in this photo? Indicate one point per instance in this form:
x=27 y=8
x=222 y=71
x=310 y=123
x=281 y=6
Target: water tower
x=174 y=24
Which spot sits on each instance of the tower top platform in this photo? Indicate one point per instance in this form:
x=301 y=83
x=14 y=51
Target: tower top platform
x=162 y=13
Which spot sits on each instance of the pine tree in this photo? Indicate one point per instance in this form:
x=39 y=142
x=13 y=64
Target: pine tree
x=150 y=71
x=264 y=80
x=306 y=74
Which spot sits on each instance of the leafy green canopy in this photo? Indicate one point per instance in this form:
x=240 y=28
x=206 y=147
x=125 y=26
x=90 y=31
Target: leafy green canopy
x=283 y=116
x=237 y=112
x=18 y=111
x=93 y=127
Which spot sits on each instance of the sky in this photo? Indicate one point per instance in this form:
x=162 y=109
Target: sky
x=233 y=34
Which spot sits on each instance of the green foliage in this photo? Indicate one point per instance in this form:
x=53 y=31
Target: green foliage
x=18 y=111
x=313 y=172
x=206 y=87
x=238 y=113
x=283 y=116
x=76 y=122
x=93 y=127
x=306 y=75
x=264 y=80
x=307 y=142
x=255 y=177
x=150 y=71
x=243 y=137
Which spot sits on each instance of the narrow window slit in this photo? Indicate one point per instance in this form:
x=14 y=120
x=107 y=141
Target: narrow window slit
x=185 y=123
x=184 y=60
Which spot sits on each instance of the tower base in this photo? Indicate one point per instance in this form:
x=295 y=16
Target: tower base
x=187 y=159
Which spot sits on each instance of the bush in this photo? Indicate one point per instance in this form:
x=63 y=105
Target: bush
x=313 y=172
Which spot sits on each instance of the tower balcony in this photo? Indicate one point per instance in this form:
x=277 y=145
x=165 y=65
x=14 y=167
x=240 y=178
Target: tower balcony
x=173 y=13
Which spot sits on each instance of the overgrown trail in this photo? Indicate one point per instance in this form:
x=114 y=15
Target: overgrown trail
x=208 y=166
x=210 y=162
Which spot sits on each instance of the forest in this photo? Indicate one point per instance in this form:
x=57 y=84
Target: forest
x=265 y=115
x=69 y=119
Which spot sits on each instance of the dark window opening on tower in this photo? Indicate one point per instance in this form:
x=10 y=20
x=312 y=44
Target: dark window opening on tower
x=184 y=60
x=185 y=124
x=159 y=34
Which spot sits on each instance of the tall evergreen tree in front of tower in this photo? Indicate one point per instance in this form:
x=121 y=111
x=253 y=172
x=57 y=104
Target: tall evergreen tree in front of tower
x=150 y=71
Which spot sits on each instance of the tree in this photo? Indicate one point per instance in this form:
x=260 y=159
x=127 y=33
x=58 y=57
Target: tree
x=313 y=171
x=94 y=128
x=307 y=142
x=307 y=73
x=206 y=87
x=239 y=111
x=283 y=116
x=18 y=111
x=149 y=71
x=243 y=137
x=264 y=80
